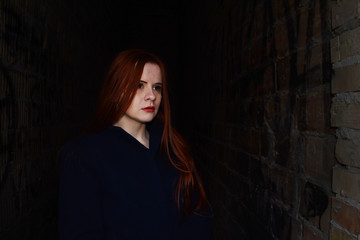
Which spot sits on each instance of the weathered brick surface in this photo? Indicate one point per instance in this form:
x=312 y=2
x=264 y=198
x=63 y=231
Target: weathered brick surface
x=339 y=234
x=335 y=51
x=303 y=15
x=317 y=108
x=313 y=234
x=346 y=79
x=316 y=56
x=345 y=110
x=315 y=205
x=346 y=182
x=280 y=10
x=345 y=114
x=283 y=74
x=344 y=11
x=30 y=80
x=282 y=98
x=346 y=216
x=282 y=41
x=348 y=152
x=345 y=45
x=320 y=12
x=319 y=157
x=282 y=185
x=301 y=62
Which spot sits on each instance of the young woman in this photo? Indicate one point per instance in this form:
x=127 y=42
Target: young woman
x=132 y=175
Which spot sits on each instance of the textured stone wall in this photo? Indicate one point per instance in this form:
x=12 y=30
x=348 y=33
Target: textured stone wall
x=39 y=110
x=345 y=116
x=259 y=90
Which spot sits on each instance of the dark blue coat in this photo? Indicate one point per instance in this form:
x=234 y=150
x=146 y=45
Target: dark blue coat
x=112 y=187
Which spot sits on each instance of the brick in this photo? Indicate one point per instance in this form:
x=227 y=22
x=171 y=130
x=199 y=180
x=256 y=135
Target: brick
x=257 y=53
x=344 y=11
x=284 y=148
x=265 y=144
x=280 y=223
x=316 y=56
x=319 y=157
x=268 y=82
x=282 y=41
x=301 y=62
x=296 y=228
x=313 y=234
x=346 y=79
x=314 y=77
x=338 y=234
x=303 y=25
x=345 y=115
x=249 y=141
x=317 y=20
x=283 y=74
x=315 y=206
x=282 y=122
x=317 y=108
x=259 y=22
x=279 y=8
x=282 y=185
x=300 y=113
x=348 y=152
x=334 y=49
x=346 y=182
x=346 y=45
x=346 y=216
x=269 y=109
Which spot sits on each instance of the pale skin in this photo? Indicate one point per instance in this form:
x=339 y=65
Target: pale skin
x=144 y=106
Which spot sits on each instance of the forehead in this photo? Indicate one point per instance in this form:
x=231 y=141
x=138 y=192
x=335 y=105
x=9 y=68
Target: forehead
x=151 y=72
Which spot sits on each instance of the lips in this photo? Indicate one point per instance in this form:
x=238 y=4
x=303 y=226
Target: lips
x=149 y=109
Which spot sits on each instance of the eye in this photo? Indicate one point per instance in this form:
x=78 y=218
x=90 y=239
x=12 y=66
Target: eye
x=141 y=85
x=157 y=88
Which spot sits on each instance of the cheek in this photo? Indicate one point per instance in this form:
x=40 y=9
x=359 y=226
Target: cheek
x=134 y=104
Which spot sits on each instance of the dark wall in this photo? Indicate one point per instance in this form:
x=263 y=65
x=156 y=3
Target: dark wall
x=35 y=96
x=257 y=79
x=53 y=57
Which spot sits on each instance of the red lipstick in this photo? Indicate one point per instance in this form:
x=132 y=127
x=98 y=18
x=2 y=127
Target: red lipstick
x=149 y=109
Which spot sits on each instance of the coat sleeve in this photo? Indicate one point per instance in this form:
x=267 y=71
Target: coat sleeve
x=80 y=197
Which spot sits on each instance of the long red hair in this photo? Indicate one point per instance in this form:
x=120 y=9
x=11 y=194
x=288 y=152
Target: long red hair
x=119 y=88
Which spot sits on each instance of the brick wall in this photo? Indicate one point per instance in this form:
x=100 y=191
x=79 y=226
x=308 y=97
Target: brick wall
x=41 y=107
x=345 y=116
x=258 y=84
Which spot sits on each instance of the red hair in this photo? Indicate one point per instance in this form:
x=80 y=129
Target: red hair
x=118 y=90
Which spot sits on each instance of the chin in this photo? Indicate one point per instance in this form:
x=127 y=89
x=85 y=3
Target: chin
x=147 y=120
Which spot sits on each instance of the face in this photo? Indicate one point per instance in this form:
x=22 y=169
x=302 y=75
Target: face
x=146 y=102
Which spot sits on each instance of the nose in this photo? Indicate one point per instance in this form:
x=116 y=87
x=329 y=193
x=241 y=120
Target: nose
x=150 y=95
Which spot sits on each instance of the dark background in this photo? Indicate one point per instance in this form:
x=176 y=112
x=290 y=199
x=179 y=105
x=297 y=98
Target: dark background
x=257 y=87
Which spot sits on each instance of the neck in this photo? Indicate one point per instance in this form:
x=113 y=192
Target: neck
x=135 y=129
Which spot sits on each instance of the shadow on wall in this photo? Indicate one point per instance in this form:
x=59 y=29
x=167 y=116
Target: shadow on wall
x=39 y=110
x=264 y=144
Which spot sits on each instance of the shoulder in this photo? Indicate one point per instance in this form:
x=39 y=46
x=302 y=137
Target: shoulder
x=82 y=143
x=82 y=151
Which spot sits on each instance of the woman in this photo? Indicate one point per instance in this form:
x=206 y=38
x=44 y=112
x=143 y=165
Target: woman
x=132 y=176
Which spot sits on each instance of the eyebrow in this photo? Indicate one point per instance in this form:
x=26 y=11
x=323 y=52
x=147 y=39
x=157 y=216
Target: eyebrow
x=158 y=83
